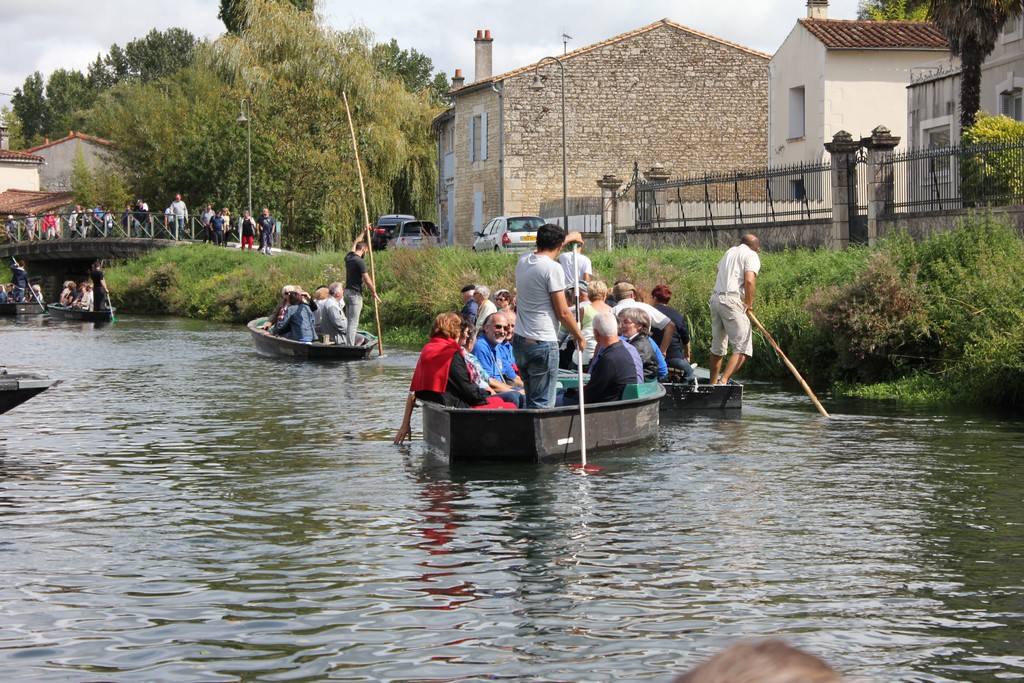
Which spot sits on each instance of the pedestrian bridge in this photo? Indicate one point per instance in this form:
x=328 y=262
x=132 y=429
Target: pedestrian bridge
x=82 y=249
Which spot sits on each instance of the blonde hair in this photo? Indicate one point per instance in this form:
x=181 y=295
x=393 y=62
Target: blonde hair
x=597 y=290
x=762 y=661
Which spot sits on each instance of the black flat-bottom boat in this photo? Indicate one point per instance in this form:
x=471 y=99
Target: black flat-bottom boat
x=279 y=347
x=537 y=435
x=23 y=309
x=702 y=396
x=59 y=312
x=18 y=387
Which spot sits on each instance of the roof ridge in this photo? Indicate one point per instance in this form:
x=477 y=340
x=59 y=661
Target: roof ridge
x=617 y=39
x=72 y=135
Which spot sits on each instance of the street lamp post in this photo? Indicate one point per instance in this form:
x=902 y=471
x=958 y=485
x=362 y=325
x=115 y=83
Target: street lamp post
x=539 y=85
x=244 y=113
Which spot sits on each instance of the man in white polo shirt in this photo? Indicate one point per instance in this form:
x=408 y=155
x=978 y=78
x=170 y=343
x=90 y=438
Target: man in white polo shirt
x=540 y=306
x=732 y=297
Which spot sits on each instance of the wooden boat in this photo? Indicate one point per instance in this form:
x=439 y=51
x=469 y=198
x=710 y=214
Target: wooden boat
x=66 y=313
x=702 y=396
x=18 y=387
x=27 y=308
x=538 y=435
x=279 y=347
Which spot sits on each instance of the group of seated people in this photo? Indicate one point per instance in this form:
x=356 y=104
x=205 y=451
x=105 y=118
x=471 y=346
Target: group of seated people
x=469 y=363
x=318 y=318
x=78 y=296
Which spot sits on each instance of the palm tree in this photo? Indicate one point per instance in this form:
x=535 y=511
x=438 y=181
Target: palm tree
x=972 y=27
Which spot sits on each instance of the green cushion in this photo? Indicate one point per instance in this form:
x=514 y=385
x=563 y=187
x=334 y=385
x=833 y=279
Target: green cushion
x=639 y=390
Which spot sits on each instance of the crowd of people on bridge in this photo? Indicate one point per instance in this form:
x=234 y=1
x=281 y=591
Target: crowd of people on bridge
x=136 y=220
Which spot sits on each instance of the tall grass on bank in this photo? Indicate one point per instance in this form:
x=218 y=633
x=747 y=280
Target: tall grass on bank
x=932 y=320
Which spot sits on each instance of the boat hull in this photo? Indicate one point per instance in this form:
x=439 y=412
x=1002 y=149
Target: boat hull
x=702 y=397
x=279 y=347
x=28 y=308
x=64 y=313
x=16 y=388
x=538 y=435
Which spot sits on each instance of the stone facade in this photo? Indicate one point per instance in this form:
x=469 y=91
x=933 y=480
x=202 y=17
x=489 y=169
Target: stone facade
x=663 y=94
x=55 y=175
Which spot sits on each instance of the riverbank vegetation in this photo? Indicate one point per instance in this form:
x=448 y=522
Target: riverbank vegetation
x=936 y=320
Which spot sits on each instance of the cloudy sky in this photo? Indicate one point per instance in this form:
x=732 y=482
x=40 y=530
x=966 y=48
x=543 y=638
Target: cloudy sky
x=42 y=35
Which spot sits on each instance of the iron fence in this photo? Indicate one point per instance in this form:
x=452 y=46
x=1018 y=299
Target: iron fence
x=957 y=177
x=88 y=224
x=737 y=199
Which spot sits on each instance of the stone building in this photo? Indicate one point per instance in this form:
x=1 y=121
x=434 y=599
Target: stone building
x=662 y=94
x=18 y=170
x=55 y=175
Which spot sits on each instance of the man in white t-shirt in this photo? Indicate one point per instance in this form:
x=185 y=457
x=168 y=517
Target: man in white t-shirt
x=583 y=266
x=540 y=306
x=732 y=297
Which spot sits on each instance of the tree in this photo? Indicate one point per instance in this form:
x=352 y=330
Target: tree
x=14 y=128
x=158 y=54
x=971 y=26
x=233 y=12
x=31 y=108
x=893 y=10
x=68 y=95
x=414 y=69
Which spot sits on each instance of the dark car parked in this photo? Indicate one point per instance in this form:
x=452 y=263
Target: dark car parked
x=385 y=229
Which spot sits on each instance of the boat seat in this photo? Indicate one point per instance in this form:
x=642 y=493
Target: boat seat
x=633 y=391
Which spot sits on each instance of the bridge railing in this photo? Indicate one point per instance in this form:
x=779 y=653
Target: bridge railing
x=88 y=224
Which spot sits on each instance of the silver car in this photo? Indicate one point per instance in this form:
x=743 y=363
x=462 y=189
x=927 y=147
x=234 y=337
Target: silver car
x=415 y=235
x=508 y=234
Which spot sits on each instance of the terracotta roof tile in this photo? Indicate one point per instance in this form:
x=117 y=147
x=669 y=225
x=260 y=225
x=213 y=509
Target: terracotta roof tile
x=616 y=39
x=839 y=34
x=11 y=155
x=70 y=136
x=21 y=202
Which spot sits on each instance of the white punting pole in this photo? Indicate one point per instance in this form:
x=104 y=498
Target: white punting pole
x=579 y=359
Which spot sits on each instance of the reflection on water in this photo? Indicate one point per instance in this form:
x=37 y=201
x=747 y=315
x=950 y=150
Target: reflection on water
x=180 y=509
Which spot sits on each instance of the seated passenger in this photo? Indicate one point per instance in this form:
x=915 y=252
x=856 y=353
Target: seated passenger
x=480 y=374
x=3 y=294
x=490 y=351
x=442 y=375
x=83 y=298
x=333 y=322
x=635 y=326
x=567 y=347
x=67 y=296
x=319 y=297
x=297 y=321
x=612 y=370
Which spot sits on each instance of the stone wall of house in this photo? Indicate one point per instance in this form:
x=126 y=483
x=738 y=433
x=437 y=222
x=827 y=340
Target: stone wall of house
x=55 y=175
x=478 y=176
x=661 y=95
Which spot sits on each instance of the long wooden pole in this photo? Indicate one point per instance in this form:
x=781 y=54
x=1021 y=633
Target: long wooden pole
x=789 y=365
x=366 y=230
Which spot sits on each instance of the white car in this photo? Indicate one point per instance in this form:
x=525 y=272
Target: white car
x=508 y=234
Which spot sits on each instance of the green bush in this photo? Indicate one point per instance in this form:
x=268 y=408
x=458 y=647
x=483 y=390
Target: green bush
x=990 y=166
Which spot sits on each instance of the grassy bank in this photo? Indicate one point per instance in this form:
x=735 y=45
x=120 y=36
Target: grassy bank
x=932 y=321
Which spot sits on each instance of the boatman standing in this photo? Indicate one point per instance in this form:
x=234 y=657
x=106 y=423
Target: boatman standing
x=732 y=297
x=541 y=305
x=356 y=276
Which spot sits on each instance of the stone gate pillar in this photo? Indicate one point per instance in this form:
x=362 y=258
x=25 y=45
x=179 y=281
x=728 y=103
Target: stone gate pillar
x=609 y=185
x=843 y=149
x=658 y=174
x=880 y=178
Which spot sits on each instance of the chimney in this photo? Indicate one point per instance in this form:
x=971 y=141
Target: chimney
x=458 y=80
x=817 y=9
x=483 y=42
x=5 y=138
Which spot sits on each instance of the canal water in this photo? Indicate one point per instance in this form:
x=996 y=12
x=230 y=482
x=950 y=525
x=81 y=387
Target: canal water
x=180 y=509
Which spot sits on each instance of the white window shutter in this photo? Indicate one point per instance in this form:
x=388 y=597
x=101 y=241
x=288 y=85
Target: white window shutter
x=472 y=138
x=1006 y=105
x=483 y=136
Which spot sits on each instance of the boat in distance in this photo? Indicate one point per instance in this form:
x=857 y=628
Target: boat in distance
x=18 y=387
x=22 y=309
x=58 y=312
x=469 y=435
x=680 y=396
x=279 y=347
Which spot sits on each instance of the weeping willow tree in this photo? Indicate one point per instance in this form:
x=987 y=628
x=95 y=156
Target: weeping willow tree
x=180 y=134
x=294 y=69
